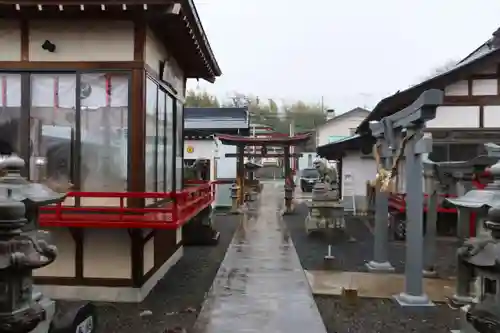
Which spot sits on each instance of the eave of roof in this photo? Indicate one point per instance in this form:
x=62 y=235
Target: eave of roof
x=219 y=113
x=401 y=99
x=200 y=32
x=335 y=150
x=248 y=140
x=205 y=67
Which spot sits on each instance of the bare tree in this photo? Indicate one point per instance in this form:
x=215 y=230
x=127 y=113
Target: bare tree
x=441 y=69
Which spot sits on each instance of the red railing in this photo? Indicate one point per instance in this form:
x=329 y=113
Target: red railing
x=397 y=201
x=180 y=208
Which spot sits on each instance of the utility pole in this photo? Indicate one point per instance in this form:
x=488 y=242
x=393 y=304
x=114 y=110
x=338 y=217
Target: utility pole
x=254 y=148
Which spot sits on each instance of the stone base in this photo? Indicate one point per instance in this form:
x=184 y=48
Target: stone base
x=465 y=326
x=313 y=223
x=200 y=230
x=382 y=267
x=405 y=299
x=50 y=308
x=206 y=236
x=235 y=211
x=430 y=273
x=73 y=317
x=461 y=300
x=289 y=211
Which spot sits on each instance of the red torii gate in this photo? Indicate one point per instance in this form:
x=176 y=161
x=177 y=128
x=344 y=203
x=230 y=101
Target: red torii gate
x=285 y=141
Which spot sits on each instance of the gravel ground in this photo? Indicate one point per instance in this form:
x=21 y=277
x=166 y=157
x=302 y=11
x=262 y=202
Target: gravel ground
x=370 y=315
x=384 y=316
x=352 y=256
x=176 y=300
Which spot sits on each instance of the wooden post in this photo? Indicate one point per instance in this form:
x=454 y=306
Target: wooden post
x=240 y=173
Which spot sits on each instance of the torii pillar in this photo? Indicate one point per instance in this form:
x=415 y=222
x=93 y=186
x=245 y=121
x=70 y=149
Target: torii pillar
x=411 y=122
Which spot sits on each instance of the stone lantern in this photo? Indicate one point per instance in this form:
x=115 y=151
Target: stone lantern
x=479 y=201
x=32 y=195
x=481 y=258
x=21 y=251
x=442 y=177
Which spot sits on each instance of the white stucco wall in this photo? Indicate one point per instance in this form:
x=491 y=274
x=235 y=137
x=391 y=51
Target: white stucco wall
x=82 y=40
x=221 y=167
x=154 y=52
x=10 y=40
x=356 y=171
x=342 y=126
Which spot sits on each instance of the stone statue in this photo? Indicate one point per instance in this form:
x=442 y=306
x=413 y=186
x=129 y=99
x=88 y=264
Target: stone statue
x=327 y=174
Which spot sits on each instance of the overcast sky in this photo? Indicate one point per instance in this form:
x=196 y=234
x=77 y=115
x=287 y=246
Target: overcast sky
x=353 y=53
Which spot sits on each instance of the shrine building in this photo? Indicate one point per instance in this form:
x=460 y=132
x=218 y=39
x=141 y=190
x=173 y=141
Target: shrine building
x=96 y=91
x=468 y=118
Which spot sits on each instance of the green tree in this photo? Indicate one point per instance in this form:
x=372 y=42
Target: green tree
x=201 y=99
x=306 y=116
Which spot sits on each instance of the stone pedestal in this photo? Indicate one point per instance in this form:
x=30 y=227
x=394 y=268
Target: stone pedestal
x=325 y=209
x=235 y=207
x=200 y=230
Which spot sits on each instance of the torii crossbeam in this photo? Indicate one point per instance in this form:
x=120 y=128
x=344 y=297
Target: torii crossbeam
x=241 y=142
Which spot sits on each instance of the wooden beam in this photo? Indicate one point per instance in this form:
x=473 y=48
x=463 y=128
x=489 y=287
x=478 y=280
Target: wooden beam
x=139 y=40
x=70 y=65
x=470 y=100
x=481 y=116
x=84 y=2
x=136 y=173
x=25 y=40
x=271 y=155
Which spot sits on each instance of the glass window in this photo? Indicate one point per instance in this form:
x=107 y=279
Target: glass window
x=439 y=153
x=463 y=152
x=170 y=138
x=179 y=149
x=52 y=126
x=490 y=286
x=161 y=152
x=103 y=126
x=310 y=173
x=151 y=134
x=10 y=104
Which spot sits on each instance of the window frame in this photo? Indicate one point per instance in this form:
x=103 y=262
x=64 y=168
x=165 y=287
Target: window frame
x=25 y=108
x=175 y=100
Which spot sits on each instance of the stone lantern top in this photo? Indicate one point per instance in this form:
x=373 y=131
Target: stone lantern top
x=16 y=187
x=490 y=195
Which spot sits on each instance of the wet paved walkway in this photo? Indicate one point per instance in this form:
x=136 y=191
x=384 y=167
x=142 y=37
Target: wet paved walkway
x=260 y=286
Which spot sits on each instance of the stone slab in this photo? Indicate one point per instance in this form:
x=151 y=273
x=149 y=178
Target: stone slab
x=374 y=285
x=261 y=286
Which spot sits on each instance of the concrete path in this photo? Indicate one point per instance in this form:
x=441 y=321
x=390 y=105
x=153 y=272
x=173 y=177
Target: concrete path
x=261 y=286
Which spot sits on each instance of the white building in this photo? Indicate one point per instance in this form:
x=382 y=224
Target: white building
x=468 y=118
x=341 y=126
x=200 y=128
